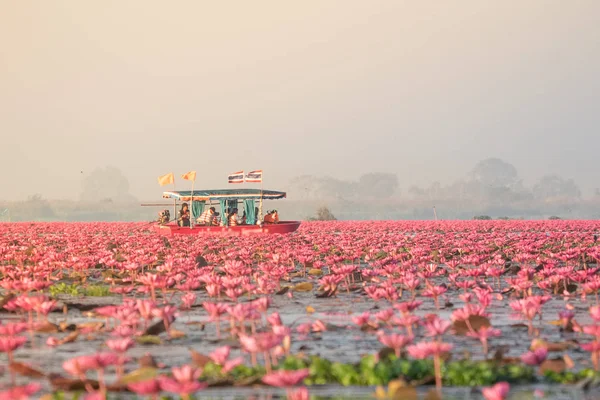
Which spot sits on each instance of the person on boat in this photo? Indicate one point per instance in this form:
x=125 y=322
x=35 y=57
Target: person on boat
x=184 y=215
x=257 y=217
x=272 y=217
x=164 y=216
x=208 y=217
x=243 y=219
x=233 y=217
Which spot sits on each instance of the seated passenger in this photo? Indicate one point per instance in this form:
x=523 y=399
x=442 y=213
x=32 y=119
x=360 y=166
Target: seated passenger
x=272 y=217
x=184 y=215
x=208 y=217
x=233 y=217
x=243 y=219
x=164 y=217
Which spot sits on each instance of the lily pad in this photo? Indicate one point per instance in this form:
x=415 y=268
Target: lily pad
x=148 y=339
x=139 y=375
x=303 y=287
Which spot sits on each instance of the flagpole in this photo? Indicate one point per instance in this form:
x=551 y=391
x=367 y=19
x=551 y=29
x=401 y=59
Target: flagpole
x=174 y=203
x=192 y=205
x=260 y=211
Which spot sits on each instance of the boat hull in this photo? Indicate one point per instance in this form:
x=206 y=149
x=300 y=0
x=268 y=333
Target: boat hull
x=240 y=230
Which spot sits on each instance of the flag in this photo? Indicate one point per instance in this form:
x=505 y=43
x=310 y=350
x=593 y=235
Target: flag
x=236 y=177
x=190 y=176
x=166 y=179
x=254 y=176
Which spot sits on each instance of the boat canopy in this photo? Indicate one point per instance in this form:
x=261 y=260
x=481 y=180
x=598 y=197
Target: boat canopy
x=224 y=194
x=227 y=198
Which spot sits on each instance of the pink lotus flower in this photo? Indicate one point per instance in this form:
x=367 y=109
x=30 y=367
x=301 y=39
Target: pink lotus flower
x=362 y=319
x=9 y=344
x=79 y=366
x=281 y=330
x=319 y=326
x=20 y=392
x=120 y=345
x=496 y=392
x=595 y=313
x=123 y=331
x=304 y=328
x=99 y=395
x=385 y=315
x=185 y=380
x=594 y=348
x=220 y=355
x=535 y=357
x=149 y=387
x=259 y=342
x=231 y=364
x=437 y=327
x=188 y=300
x=431 y=349
x=274 y=319
x=181 y=388
x=283 y=378
x=300 y=393
x=407 y=306
x=435 y=292
x=186 y=373
x=394 y=341
x=12 y=329
x=428 y=349
x=483 y=334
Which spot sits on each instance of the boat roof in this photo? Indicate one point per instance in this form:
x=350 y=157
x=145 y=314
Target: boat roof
x=222 y=194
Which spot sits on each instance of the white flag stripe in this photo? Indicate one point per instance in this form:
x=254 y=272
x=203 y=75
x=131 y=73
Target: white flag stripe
x=236 y=177
x=254 y=176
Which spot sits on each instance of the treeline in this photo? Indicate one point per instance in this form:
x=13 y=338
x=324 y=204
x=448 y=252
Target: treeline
x=40 y=209
x=493 y=189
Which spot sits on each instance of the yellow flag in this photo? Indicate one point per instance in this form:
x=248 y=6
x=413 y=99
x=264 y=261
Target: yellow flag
x=166 y=179
x=190 y=176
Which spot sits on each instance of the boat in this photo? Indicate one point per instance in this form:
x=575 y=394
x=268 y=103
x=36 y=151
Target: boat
x=242 y=199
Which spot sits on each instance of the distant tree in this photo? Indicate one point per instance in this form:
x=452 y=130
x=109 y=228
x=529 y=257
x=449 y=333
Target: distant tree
x=332 y=188
x=323 y=214
x=482 y=217
x=324 y=188
x=417 y=192
x=378 y=184
x=435 y=191
x=36 y=207
x=554 y=217
x=551 y=187
x=495 y=172
x=106 y=184
x=304 y=187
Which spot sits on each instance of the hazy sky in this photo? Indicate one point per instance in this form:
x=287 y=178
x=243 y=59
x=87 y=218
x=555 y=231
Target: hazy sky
x=422 y=88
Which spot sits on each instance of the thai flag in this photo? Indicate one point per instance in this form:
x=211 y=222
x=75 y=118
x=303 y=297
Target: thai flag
x=254 y=176
x=236 y=177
